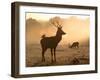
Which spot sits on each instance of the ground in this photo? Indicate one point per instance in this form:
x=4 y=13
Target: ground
x=64 y=56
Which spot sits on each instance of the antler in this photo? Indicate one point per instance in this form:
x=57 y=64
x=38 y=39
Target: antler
x=53 y=23
x=56 y=21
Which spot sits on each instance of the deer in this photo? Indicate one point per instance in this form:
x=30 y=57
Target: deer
x=51 y=42
x=74 y=45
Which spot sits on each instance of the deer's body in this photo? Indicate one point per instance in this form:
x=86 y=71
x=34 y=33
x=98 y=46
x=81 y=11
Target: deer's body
x=51 y=42
x=74 y=45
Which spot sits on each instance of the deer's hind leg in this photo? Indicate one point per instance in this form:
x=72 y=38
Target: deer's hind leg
x=43 y=52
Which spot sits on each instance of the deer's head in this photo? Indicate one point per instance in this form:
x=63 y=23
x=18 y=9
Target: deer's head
x=60 y=31
x=57 y=23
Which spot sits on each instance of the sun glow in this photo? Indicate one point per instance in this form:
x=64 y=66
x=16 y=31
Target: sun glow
x=76 y=27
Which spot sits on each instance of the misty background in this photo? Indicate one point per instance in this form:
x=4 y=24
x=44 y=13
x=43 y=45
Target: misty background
x=77 y=28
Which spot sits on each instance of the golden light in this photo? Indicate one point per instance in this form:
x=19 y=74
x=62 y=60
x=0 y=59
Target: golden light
x=76 y=27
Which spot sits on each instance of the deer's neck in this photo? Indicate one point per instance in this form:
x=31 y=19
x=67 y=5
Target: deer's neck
x=58 y=38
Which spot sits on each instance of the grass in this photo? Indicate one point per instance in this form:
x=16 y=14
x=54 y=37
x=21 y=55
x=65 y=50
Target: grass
x=64 y=56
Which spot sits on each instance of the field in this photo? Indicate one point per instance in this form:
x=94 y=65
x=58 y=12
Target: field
x=64 y=56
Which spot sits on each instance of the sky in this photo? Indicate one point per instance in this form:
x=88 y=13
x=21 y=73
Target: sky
x=46 y=16
x=76 y=27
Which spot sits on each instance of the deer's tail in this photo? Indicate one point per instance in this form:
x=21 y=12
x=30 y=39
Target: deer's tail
x=43 y=36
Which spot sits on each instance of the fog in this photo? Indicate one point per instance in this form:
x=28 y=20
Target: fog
x=76 y=27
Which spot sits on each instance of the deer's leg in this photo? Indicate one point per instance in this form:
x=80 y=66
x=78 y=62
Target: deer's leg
x=43 y=52
x=55 y=54
x=51 y=55
x=78 y=46
x=42 y=55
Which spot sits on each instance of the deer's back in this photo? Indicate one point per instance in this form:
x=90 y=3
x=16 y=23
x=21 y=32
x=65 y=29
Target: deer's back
x=49 y=42
x=75 y=44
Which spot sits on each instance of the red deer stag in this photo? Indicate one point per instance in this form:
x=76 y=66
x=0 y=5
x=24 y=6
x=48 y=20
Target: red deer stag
x=51 y=42
x=74 y=45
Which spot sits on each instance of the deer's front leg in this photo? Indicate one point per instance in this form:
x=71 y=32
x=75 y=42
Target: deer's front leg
x=55 y=54
x=51 y=55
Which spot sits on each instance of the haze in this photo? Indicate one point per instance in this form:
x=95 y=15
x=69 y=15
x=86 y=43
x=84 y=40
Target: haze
x=76 y=27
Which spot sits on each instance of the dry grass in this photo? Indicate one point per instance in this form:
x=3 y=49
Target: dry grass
x=64 y=56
